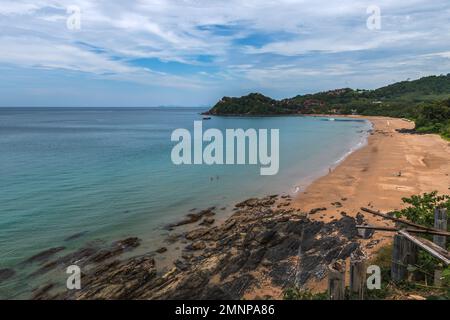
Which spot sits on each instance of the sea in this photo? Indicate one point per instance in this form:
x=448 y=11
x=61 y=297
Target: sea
x=106 y=174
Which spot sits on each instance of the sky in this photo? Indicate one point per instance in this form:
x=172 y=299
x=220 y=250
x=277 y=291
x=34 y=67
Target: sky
x=192 y=52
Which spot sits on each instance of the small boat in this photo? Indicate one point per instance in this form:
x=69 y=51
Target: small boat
x=206 y=118
x=331 y=119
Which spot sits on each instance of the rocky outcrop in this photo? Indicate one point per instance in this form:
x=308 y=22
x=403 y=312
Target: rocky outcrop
x=192 y=218
x=44 y=255
x=259 y=246
x=89 y=255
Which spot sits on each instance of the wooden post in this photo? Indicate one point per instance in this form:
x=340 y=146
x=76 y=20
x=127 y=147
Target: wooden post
x=438 y=276
x=336 y=280
x=428 y=246
x=402 y=221
x=440 y=222
x=404 y=254
x=410 y=230
x=357 y=275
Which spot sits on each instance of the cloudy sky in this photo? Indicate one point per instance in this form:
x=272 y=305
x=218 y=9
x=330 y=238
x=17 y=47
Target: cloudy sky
x=193 y=52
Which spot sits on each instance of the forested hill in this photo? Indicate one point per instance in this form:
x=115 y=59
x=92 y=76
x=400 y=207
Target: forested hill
x=401 y=99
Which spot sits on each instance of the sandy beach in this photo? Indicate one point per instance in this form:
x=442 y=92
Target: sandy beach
x=391 y=166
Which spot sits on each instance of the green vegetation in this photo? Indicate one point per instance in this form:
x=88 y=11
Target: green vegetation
x=421 y=209
x=391 y=290
x=253 y=103
x=434 y=118
x=383 y=260
x=401 y=290
x=426 y=101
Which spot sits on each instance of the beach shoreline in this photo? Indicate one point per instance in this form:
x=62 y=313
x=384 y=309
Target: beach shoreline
x=422 y=167
x=170 y=251
x=279 y=241
x=391 y=166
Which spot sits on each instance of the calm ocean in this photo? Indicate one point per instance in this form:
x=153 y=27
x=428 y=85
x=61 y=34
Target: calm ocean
x=108 y=172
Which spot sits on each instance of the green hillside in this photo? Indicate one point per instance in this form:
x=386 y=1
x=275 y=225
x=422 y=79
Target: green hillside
x=426 y=100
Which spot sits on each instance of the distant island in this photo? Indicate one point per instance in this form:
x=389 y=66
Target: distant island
x=426 y=101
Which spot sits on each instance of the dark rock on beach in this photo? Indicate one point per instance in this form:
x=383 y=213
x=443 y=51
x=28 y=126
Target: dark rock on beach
x=192 y=218
x=89 y=255
x=197 y=233
x=346 y=225
x=195 y=246
x=360 y=218
x=6 y=274
x=315 y=210
x=118 y=280
x=161 y=250
x=44 y=255
x=207 y=221
x=253 y=202
x=43 y=292
x=337 y=204
x=259 y=245
x=117 y=248
x=75 y=236
x=80 y=257
x=181 y=265
x=174 y=237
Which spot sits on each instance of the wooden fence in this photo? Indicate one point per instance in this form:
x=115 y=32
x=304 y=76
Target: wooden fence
x=404 y=254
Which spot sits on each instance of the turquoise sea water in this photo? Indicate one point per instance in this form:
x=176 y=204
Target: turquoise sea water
x=108 y=172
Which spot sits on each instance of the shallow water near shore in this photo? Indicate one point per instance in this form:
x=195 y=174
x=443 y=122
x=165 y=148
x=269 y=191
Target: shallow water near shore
x=106 y=173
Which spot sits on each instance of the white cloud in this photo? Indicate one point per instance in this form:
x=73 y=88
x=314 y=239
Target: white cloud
x=39 y=53
x=314 y=38
x=445 y=54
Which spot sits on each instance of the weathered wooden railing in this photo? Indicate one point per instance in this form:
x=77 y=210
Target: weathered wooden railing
x=405 y=249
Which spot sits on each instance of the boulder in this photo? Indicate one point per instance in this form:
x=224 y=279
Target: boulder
x=195 y=246
x=161 y=250
x=207 y=221
x=197 y=233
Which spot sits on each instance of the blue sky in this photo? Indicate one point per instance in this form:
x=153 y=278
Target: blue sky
x=193 y=52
